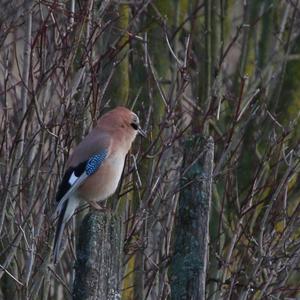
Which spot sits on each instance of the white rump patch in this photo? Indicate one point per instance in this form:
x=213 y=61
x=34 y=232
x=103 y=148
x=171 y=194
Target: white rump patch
x=73 y=178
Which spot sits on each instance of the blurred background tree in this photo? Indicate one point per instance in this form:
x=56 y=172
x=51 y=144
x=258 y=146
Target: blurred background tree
x=191 y=70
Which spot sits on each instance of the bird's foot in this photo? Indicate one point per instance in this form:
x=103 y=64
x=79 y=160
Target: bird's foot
x=99 y=207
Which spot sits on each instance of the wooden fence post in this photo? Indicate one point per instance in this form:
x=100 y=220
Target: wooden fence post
x=99 y=258
x=191 y=236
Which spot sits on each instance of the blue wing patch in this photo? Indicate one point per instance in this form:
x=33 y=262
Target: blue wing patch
x=95 y=162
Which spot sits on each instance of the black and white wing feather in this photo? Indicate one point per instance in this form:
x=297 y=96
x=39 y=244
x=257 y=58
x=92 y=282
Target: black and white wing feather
x=68 y=203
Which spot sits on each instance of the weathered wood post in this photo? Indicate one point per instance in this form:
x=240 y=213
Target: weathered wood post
x=99 y=253
x=191 y=235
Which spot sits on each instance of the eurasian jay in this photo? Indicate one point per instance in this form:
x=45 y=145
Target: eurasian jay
x=95 y=167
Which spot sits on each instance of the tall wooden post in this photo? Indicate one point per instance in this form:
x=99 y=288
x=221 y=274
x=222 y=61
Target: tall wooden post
x=191 y=236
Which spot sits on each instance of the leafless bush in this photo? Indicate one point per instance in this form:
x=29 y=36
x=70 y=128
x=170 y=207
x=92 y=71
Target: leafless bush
x=190 y=69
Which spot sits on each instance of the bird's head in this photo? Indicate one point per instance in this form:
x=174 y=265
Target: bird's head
x=123 y=119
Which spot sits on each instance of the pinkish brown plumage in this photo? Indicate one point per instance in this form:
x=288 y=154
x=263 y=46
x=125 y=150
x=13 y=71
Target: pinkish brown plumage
x=95 y=167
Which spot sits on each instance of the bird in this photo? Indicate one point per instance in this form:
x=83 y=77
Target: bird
x=95 y=166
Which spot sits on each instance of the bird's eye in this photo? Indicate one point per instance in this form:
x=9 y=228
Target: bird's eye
x=134 y=126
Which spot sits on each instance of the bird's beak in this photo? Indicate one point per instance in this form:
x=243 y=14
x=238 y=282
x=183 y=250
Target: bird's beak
x=142 y=132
